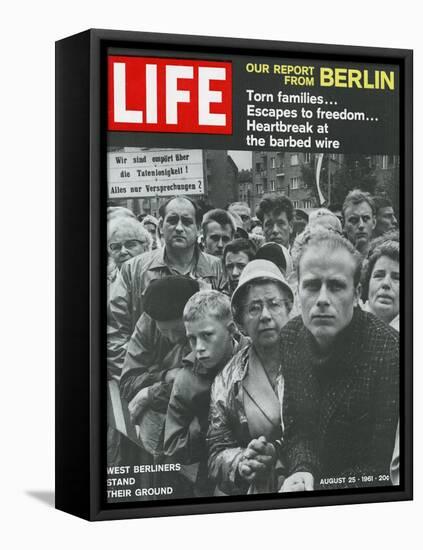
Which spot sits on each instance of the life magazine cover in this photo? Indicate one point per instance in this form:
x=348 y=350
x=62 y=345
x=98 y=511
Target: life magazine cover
x=253 y=276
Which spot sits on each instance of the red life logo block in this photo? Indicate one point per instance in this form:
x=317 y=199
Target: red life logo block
x=149 y=94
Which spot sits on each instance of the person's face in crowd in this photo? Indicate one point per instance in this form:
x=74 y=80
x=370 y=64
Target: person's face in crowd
x=384 y=289
x=277 y=228
x=385 y=220
x=124 y=244
x=179 y=227
x=244 y=213
x=326 y=292
x=152 y=229
x=235 y=263
x=265 y=312
x=211 y=340
x=359 y=224
x=216 y=237
x=257 y=230
x=174 y=331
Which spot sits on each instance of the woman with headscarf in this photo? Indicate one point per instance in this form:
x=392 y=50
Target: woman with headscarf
x=245 y=423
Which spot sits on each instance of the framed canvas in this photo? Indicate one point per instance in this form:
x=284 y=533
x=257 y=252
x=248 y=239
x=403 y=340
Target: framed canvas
x=232 y=216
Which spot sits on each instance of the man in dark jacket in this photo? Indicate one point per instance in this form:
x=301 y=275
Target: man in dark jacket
x=341 y=372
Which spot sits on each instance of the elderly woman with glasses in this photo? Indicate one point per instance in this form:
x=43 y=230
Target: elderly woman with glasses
x=126 y=238
x=245 y=427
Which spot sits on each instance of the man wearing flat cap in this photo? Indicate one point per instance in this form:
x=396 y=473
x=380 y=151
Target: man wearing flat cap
x=154 y=357
x=157 y=346
x=179 y=223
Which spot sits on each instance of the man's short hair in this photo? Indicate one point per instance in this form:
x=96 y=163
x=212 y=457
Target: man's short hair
x=319 y=213
x=356 y=196
x=207 y=302
x=198 y=213
x=239 y=203
x=389 y=246
x=220 y=216
x=240 y=245
x=382 y=202
x=333 y=241
x=275 y=204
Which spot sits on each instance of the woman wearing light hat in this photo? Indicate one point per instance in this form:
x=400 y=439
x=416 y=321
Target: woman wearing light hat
x=245 y=409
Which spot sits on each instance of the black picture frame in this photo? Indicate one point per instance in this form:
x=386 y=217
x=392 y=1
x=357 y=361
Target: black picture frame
x=80 y=262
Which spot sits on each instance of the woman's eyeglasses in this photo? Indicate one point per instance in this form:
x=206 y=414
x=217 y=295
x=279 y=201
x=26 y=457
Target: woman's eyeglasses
x=129 y=245
x=255 y=309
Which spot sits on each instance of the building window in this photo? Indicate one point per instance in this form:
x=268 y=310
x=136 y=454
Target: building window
x=308 y=203
x=295 y=183
x=259 y=187
x=389 y=161
x=272 y=185
x=385 y=162
x=294 y=160
x=307 y=158
x=272 y=162
x=296 y=204
x=258 y=166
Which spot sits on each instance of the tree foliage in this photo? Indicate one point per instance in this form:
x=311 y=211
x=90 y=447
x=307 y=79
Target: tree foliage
x=355 y=172
x=245 y=176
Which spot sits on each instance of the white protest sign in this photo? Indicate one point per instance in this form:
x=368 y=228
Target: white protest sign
x=155 y=173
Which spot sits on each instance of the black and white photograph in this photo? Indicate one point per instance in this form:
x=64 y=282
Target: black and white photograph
x=211 y=233
x=248 y=343
x=253 y=321
x=255 y=212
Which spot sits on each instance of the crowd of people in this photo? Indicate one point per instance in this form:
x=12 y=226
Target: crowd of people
x=258 y=357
